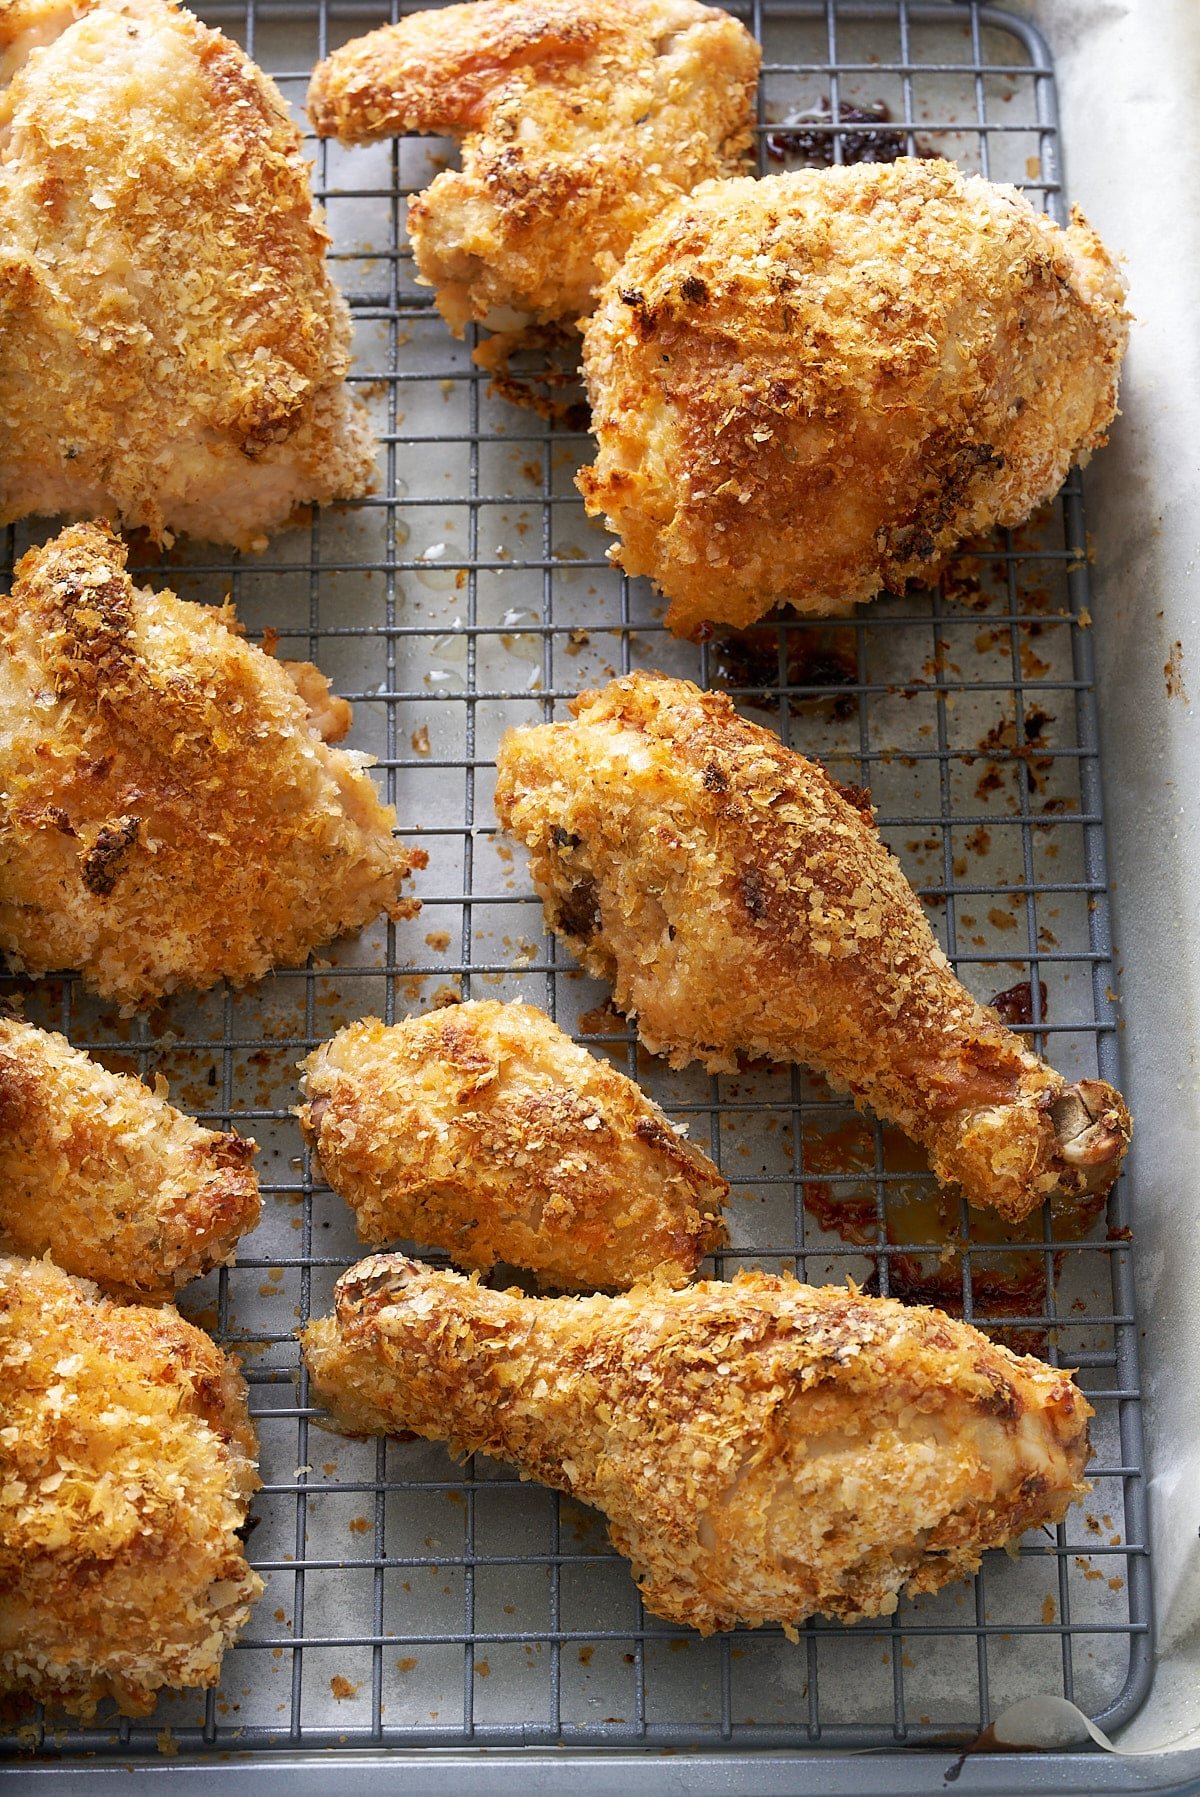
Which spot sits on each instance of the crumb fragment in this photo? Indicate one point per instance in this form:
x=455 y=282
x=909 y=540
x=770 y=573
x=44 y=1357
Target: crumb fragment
x=1173 y=673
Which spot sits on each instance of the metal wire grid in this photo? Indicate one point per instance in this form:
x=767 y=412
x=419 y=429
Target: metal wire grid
x=516 y=1622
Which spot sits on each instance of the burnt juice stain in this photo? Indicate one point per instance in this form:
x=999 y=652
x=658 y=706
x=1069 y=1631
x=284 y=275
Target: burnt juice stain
x=922 y=1229
x=748 y=662
x=1015 y=1003
x=799 y=139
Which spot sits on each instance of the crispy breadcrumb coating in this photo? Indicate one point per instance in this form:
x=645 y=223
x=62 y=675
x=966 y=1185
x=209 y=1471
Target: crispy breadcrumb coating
x=172 y=349
x=742 y=904
x=763 y=1450
x=482 y=1129
x=811 y=387
x=168 y=813
x=107 y=1177
x=127 y=1461
x=579 y=121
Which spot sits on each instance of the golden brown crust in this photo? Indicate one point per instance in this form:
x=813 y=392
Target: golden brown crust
x=580 y=120
x=172 y=349
x=127 y=1460
x=169 y=814
x=483 y=1130
x=811 y=387
x=763 y=1450
x=742 y=905
x=107 y=1177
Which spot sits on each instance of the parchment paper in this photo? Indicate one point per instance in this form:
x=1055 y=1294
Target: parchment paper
x=1129 y=78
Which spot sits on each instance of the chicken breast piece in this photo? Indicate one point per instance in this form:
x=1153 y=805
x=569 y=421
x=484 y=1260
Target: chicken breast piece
x=810 y=388
x=107 y=1177
x=579 y=121
x=127 y=1461
x=483 y=1130
x=169 y=814
x=742 y=904
x=763 y=1450
x=172 y=349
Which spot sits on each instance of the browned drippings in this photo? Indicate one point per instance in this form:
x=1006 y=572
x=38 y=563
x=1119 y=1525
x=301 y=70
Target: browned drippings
x=799 y=138
x=601 y=1020
x=748 y=661
x=926 y=1218
x=1003 y=736
x=1015 y=1004
x=1003 y=745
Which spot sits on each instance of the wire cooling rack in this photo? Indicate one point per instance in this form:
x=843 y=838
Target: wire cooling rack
x=413 y=1601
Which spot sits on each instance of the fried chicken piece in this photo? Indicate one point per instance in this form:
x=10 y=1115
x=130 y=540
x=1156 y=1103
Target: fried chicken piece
x=743 y=904
x=109 y=1178
x=811 y=387
x=763 y=1450
x=482 y=1129
x=579 y=121
x=127 y=1461
x=168 y=813
x=172 y=349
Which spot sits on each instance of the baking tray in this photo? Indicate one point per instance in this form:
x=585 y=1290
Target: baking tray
x=415 y=1604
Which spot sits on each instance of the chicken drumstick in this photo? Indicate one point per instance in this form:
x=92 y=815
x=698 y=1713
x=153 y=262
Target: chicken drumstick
x=741 y=903
x=482 y=1129
x=763 y=1450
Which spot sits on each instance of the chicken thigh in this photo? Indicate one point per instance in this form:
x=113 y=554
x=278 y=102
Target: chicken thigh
x=482 y=1129
x=172 y=349
x=742 y=904
x=169 y=813
x=763 y=1450
x=579 y=119
x=811 y=387
x=127 y=1461
x=107 y=1177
